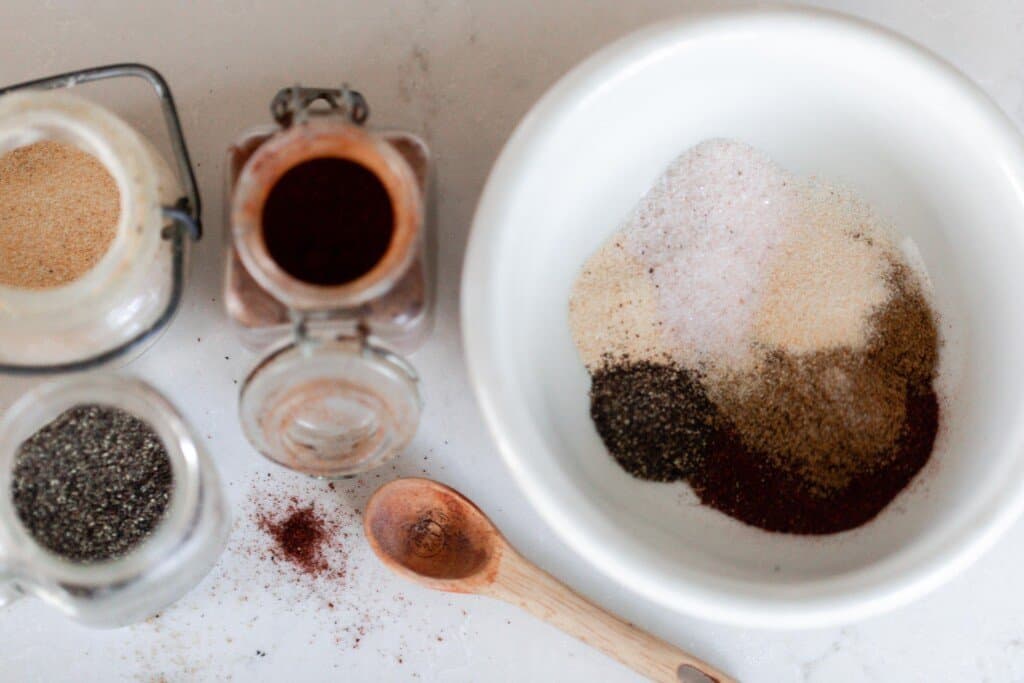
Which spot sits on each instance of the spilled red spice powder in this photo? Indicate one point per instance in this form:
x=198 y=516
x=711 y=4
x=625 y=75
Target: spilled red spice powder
x=348 y=605
x=300 y=538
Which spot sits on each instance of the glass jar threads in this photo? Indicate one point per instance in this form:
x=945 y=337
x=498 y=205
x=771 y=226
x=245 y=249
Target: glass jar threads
x=328 y=274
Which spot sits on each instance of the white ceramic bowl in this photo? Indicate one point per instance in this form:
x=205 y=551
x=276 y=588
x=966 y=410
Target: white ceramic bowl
x=823 y=95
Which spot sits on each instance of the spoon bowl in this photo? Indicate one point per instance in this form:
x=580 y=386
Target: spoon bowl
x=433 y=535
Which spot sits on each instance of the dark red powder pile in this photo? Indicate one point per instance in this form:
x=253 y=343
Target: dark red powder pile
x=743 y=482
x=300 y=538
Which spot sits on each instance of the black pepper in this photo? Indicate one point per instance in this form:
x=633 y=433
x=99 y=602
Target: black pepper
x=654 y=418
x=92 y=484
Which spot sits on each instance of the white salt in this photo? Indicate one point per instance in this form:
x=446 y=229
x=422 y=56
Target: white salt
x=728 y=256
x=709 y=229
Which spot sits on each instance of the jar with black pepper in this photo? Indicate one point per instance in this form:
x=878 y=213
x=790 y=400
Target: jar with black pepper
x=110 y=509
x=328 y=276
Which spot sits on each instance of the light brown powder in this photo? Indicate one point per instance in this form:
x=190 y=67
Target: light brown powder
x=613 y=309
x=827 y=277
x=59 y=209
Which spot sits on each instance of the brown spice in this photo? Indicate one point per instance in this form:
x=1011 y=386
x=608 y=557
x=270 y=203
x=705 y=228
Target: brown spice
x=300 y=538
x=906 y=342
x=831 y=415
x=825 y=416
x=745 y=484
x=59 y=209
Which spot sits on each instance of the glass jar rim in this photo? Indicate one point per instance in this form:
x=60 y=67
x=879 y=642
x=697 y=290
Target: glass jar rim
x=325 y=137
x=20 y=553
x=35 y=116
x=283 y=400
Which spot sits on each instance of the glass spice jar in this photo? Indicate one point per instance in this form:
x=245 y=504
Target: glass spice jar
x=329 y=276
x=179 y=552
x=112 y=311
x=117 y=307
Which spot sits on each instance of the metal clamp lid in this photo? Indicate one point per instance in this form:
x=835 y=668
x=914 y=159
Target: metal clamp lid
x=184 y=214
x=295 y=104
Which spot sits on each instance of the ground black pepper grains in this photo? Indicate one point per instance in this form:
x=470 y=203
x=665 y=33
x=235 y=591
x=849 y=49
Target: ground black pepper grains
x=92 y=484
x=654 y=418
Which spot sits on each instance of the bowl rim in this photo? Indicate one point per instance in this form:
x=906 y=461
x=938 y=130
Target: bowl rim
x=844 y=598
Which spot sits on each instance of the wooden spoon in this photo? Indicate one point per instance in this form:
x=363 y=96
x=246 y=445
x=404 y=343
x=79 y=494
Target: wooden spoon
x=433 y=535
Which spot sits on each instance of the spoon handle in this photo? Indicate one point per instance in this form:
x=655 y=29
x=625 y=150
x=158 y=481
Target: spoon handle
x=520 y=582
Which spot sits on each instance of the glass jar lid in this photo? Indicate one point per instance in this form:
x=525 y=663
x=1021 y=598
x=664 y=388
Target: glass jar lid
x=331 y=408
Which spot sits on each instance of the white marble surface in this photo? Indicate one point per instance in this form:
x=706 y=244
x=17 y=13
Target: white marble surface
x=462 y=73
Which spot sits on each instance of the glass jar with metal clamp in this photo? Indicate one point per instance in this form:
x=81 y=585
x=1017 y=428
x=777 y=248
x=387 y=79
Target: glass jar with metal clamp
x=119 y=305
x=328 y=275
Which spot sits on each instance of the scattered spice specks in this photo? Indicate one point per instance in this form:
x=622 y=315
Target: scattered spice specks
x=346 y=617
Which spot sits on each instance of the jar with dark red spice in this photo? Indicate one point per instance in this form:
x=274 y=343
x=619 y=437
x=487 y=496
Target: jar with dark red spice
x=328 y=276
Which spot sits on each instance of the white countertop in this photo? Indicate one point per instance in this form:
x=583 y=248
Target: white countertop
x=462 y=73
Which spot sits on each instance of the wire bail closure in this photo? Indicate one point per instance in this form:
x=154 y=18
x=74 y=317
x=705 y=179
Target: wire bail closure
x=184 y=216
x=295 y=104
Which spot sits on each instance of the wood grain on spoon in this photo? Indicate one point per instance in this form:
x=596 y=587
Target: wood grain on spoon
x=435 y=536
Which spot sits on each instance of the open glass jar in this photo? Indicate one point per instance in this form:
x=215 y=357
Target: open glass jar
x=112 y=310
x=124 y=300
x=328 y=274
x=181 y=549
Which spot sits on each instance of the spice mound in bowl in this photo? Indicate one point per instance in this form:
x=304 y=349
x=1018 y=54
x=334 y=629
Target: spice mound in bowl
x=763 y=338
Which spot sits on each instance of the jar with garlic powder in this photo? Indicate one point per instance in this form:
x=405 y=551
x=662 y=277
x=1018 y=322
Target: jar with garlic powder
x=95 y=230
x=328 y=277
